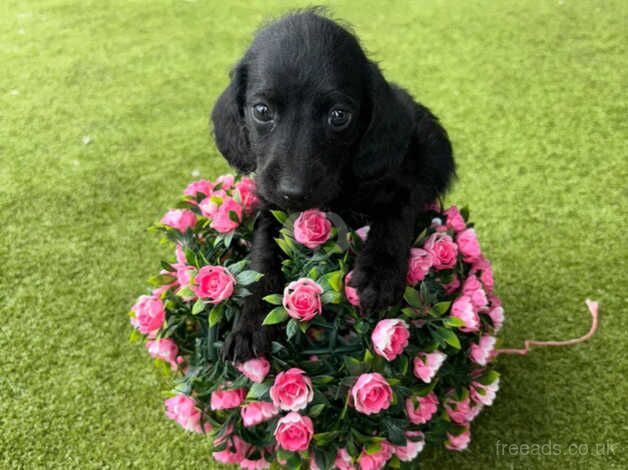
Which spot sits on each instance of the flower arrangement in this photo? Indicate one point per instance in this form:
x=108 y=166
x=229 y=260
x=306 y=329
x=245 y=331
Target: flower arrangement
x=340 y=389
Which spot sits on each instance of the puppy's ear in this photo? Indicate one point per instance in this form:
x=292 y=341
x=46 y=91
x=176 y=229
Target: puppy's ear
x=386 y=139
x=230 y=131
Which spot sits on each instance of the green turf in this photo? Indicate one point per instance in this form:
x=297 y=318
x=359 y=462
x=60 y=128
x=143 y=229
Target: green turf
x=532 y=93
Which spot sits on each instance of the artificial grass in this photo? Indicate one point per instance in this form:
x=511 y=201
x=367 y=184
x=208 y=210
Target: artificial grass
x=532 y=93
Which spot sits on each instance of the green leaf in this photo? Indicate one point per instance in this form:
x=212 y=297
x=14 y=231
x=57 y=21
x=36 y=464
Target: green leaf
x=448 y=336
x=284 y=245
x=464 y=212
x=167 y=266
x=279 y=215
x=323 y=379
x=233 y=215
x=395 y=433
x=292 y=328
x=412 y=297
x=453 y=322
x=161 y=280
x=248 y=277
x=236 y=268
x=215 y=315
x=354 y=366
x=228 y=238
x=324 y=438
x=186 y=292
x=368 y=357
x=373 y=447
x=257 y=391
x=316 y=410
x=303 y=326
x=276 y=315
x=409 y=312
x=331 y=297
x=442 y=307
x=198 y=307
x=273 y=299
x=488 y=378
x=335 y=280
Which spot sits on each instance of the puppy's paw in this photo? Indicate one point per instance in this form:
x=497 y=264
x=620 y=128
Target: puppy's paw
x=246 y=342
x=380 y=284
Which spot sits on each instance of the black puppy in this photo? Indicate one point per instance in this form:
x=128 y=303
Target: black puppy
x=321 y=127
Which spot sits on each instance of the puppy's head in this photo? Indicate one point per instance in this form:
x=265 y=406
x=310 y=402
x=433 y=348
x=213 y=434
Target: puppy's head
x=304 y=109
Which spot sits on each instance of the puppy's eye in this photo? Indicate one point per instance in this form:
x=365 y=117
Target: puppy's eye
x=339 y=119
x=262 y=113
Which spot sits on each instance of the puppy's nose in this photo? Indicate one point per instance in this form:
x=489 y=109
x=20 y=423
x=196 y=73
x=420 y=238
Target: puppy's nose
x=292 y=192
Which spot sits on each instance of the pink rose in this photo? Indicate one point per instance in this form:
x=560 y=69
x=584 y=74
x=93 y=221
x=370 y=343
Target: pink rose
x=484 y=394
x=182 y=409
x=371 y=393
x=292 y=390
x=226 y=181
x=424 y=410
x=480 y=353
x=312 y=228
x=227 y=399
x=458 y=442
x=344 y=460
x=390 y=338
x=248 y=196
x=468 y=245
x=494 y=301
x=149 y=314
x=184 y=275
x=209 y=205
x=455 y=221
x=497 y=317
x=414 y=445
x=234 y=453
x=223 y=219
x=443 y=250
x=202 y=187
x=419 y=265
x=214 y=283
x=473 y=288
x=351 y=293
x=255 y=369
x=426 y=365
x=463 y=308
x=302 y=299
x=461 y=411
x=452 y=286
x=254 y=464
x=257 y=412
x=378 y=460
x=483 y=266
x=181 y=219
x=164 y=349
x=180 y=255
x=294 y=432
x=363 y=232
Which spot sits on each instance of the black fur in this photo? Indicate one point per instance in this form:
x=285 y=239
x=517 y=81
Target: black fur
x=392 y=159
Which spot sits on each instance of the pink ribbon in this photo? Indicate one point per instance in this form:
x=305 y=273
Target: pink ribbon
x=527 y=344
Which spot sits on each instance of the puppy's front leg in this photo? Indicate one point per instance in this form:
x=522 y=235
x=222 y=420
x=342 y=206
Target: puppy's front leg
x=381 y=267
x=249 y=338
